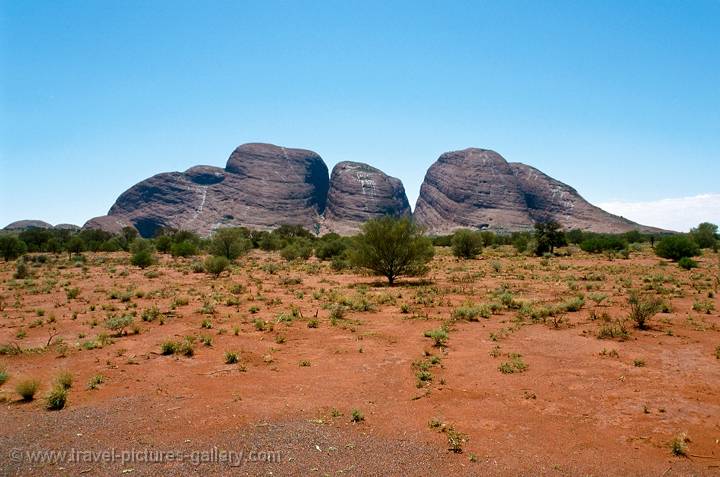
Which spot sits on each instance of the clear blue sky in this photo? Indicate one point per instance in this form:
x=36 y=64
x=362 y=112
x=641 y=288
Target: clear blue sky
x=619 y=99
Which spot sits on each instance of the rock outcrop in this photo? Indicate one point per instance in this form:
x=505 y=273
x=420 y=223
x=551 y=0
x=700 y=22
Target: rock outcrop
x=479 y=189
x=359 y=192
x=28 y=224
x=261 y=187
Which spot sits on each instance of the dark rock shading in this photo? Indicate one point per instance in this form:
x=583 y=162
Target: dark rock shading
x=359 y=192
x=479 y=189
x=28 y=224
x=263 y=186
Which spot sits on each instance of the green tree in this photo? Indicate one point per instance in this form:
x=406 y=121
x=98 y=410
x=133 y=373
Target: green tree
x=392 y=247
x=466 y=243
x=705 y=235
x=11 y=247
x=74 y=246
x=676 y=247
x=143 y=253
x=229 y=243
x=548 y=235
x=186 y=248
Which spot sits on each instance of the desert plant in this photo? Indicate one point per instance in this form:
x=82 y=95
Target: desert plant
x=705 y=235
x=4 y=373
x=72 y=293
x=357 y=416
x=231 y=357
x=64 y=379
x=642 y=309
x=392 y=247
x=470 y=312
x=298 y=249
x=215 y=265
x=229 y=243
x=439 y=336
x=96 y=381
x=27 y=389
x=143 y=253
x=118 y=324
x=676 y=247
x=185 y=248
x=455 y=440
x=613 y=330
x=548 y=235
x=515 y=365
x=21 y=269
x=168 y=347
x=678 y=445
x=11 y=247
x=466 y=244
x=687 y=263
x=57 y=398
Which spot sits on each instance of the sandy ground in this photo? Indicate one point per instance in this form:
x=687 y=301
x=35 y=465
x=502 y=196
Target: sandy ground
x=286 y=407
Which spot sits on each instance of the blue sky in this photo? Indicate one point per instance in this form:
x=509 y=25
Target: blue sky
x=620 y=99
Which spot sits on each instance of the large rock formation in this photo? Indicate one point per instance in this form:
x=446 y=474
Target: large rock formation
x=28 y=224
x=262 y=186
x=359 y=192
x=479 y=189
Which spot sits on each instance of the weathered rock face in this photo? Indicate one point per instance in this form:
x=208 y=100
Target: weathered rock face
x=108 y=223
x=478 y=189
x=71 y=227
x=359 y=192
x=262 y=187
x=28 y=224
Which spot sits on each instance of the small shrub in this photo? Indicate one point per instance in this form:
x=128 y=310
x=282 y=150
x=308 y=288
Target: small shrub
x=150 y=314
x=168 y=348
x=27 y=389
x=186 y=347
x=96 y=381
x=439 y=336
x=72 y=293
x=313 y=324
x=21 y=270
x=470 y=312
x=231 y=357
x=215 y=265
x=639 y=363
x=143 y=253
x=676 y=247
x=466 y=244
x=64 y=379
x=57 y=398
x=455 y=440
x=687 y=263
x=356 y=416
x=642 y=309
x=706 y=307
x=117 y=324
x=304 y=363
x=4 y=373
x=613 y=330
x=679 y=445
x=515 y=365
